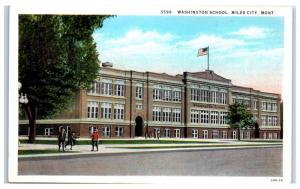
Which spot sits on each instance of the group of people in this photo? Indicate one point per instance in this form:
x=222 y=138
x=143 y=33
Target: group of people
x=71 y=139
x=62 y=136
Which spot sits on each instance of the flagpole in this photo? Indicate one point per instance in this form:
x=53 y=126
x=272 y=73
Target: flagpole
x=207 y=57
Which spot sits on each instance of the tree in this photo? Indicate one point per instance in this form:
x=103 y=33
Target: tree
x=57 y=58
x=239 y=117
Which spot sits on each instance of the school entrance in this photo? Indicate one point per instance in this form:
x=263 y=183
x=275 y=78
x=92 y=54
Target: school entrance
x=139 y=124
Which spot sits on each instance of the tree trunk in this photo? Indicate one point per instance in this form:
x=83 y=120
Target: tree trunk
x=30 y=111
x=239 y=134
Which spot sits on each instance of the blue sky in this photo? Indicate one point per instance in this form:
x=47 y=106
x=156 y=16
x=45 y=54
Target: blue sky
x=247 y=50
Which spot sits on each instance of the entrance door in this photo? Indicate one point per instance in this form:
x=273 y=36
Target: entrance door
x=139 y=126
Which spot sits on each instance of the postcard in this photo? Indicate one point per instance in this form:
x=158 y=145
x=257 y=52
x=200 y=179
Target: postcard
x=150 y=94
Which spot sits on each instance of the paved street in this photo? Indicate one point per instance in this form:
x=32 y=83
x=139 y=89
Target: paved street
x=221 y=162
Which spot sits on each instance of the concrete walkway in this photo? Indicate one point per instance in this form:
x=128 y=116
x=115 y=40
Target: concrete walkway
x=122 y=148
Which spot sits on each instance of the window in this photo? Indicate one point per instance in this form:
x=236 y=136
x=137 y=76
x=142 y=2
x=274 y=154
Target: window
x=167 y=94
x=223 y=118
x=106 y=88
x=139 y=91
x=167 y=133
x=269 y=106
x=157 y=92
x=92 y=129
x=242 y=134
x=139 y=106
x=106 y=132
x=270 y=120
x=176 y=95
x=270 y=136
x=194 y=116
x=274 y=107
x=233 y=134
x=263 y=120
x=247 y=134
x=264 y=106
x=254 y=104
x=106 y=110
x=204 y=116
x=224 y=134
x=275 y=136
x=274 y=121
x=93 y=109
x=204 y=95
x=176 y=115
x=194 y=133
x=205 y=134
x=195 y=94
x=95 y=88
x=166 y=115
x=213 y=96
x=265 y=135
x=215 y=134
x=246 y=103
x=119 y=131
x=119 y=88
x=223 y=97
x=156 y=132
x=48 y=131
x=177 y=133
x=119 y=111
x=214 y=117
x=156 y=113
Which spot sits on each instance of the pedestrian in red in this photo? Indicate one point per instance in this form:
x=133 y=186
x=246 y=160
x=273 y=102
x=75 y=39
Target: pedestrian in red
x=95 y=138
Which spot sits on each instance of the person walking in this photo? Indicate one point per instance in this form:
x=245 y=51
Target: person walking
x=71 y=139
x=95 y=138
x=61 y=139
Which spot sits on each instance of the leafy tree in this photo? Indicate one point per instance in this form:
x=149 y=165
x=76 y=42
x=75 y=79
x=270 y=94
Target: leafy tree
x=239 y=117
x=57 y=57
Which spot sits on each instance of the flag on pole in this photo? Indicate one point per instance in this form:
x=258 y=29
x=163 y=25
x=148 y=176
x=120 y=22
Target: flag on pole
x=202 y=51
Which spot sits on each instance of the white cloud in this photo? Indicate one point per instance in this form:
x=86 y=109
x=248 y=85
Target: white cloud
x=251 y=32
x=216 y=43
x=138 y=36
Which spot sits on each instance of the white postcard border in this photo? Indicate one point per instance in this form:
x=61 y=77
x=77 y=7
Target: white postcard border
x=138 y=10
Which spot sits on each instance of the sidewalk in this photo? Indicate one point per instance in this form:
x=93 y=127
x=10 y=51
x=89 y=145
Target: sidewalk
x=138 y=148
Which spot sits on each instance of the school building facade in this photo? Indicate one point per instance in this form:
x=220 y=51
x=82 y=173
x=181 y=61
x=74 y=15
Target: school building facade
x=128 y=104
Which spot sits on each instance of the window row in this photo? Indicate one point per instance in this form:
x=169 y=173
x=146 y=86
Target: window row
x=212 y=117
x=107 y=87
x=245 y=102
x=166 y=94
x=269 y=120
x=216 y=134
x=166 y=114
x=166 y=133
x=106 y=133
x=267 y=106
x=106 y=110
x=203 y=95
x=270 y=135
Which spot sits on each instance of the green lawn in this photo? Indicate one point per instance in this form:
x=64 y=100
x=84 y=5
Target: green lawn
x=46 y=151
